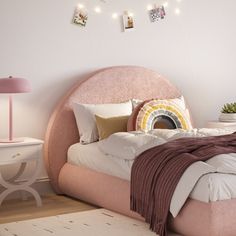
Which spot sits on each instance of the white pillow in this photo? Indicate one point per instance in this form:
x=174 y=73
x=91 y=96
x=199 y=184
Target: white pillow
x=85 y=117
x=135 y=102
x=179 y=101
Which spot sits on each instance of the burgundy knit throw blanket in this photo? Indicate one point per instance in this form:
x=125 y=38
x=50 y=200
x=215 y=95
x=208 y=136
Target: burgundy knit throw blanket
x=156 y=172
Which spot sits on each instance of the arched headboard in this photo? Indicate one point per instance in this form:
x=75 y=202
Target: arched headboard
x=110 y=85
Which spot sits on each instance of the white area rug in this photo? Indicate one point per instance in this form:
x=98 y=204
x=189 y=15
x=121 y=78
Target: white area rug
x=99 y=222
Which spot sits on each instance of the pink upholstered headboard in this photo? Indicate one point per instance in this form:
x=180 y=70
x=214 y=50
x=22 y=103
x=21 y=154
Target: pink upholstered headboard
x=110 y=85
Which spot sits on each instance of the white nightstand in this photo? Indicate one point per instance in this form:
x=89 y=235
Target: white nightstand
x=11 y=153
x=219 y=124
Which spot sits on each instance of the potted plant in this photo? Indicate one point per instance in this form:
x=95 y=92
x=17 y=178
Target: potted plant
x=228 y=112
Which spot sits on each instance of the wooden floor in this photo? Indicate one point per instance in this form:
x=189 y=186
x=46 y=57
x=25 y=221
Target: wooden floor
x=17 y=210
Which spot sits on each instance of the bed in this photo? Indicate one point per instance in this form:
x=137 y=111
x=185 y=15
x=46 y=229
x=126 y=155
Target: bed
x=113 y=85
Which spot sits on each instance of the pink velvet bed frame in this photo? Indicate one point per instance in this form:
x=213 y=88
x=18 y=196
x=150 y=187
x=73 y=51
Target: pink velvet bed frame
x=112 y=85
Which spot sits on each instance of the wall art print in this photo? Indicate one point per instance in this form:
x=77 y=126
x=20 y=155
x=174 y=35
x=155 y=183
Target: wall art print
x=80 y=17
x=157 y=13
x=128 y=21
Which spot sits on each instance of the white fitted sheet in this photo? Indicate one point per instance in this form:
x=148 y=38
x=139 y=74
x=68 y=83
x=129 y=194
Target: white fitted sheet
x=210 y=187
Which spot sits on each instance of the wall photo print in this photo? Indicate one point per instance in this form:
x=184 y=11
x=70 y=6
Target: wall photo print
x=80 y=17
x=128 y=21
x=157 y=13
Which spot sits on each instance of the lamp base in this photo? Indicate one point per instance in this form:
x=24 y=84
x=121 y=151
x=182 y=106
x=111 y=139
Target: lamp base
x=15 y=140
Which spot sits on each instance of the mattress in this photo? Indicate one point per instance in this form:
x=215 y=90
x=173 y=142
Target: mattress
x=210 y=187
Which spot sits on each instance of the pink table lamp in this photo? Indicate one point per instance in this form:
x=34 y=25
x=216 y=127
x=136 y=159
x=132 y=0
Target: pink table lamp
x=13 y=85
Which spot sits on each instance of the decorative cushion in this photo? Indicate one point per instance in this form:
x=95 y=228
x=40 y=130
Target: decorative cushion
x=160 y=114
x=108 y=126
x=85 y=117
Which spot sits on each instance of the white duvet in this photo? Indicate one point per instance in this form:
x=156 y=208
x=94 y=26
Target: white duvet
x=128 y=146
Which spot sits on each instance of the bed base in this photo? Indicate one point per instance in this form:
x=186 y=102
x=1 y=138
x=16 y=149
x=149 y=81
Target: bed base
x=195 y=219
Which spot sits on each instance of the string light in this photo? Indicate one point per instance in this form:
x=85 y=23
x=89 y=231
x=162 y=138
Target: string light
x=131 y=14
x=115 y=15
x=165 y=4
x=177 y=11
x=97 y=9
x=80 y=6
x=149 y=7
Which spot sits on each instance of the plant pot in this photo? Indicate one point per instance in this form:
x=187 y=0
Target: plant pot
x=227 y=117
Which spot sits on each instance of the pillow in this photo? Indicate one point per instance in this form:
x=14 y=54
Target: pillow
x=136 y=102
x=108 y=126
x=85 y=117
x=160 y=114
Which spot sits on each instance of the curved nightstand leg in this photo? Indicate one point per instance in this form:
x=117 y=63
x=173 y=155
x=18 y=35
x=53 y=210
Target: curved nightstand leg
x=26 y=185
x=36 y=172
x=4 y=194
x=28 y=189
x=10 y=183
x=18 y=174
x=35 y=194
x=11 y=187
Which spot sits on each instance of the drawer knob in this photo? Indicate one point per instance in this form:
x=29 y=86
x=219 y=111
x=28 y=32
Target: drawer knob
x=16 y=155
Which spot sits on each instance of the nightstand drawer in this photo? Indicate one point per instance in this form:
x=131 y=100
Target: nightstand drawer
x=9 y=155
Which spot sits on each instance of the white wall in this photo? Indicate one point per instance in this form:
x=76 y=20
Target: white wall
x=195 y=50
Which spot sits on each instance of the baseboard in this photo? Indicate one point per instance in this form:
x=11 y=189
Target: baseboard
x=42 y=186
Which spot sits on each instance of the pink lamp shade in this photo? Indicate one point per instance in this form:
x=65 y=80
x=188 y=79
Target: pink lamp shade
x=14 y=85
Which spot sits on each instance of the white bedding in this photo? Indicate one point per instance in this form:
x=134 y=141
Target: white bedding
x=210 y=187
x=90 y=156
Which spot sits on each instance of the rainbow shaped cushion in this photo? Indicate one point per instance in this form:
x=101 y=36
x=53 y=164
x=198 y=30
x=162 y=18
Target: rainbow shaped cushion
x=160 y=114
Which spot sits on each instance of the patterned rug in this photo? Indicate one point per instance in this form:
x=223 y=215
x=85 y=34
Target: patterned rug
x=98 y=222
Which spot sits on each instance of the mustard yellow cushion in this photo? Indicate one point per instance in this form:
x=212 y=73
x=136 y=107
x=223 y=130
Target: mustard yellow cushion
x=108 y=126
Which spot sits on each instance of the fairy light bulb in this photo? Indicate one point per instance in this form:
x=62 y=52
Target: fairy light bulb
x=80 y=6
x=97 y=9
x=131 y=14
x=149 y=7
x=177 y=11
x=114 y=15
x=165 y=4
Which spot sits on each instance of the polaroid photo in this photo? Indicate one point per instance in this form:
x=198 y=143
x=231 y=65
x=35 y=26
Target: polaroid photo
x=80 y=17
x=128 y=22
x=157 y=13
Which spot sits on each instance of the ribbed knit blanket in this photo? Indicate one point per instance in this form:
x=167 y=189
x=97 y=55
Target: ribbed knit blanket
x=157 y=171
